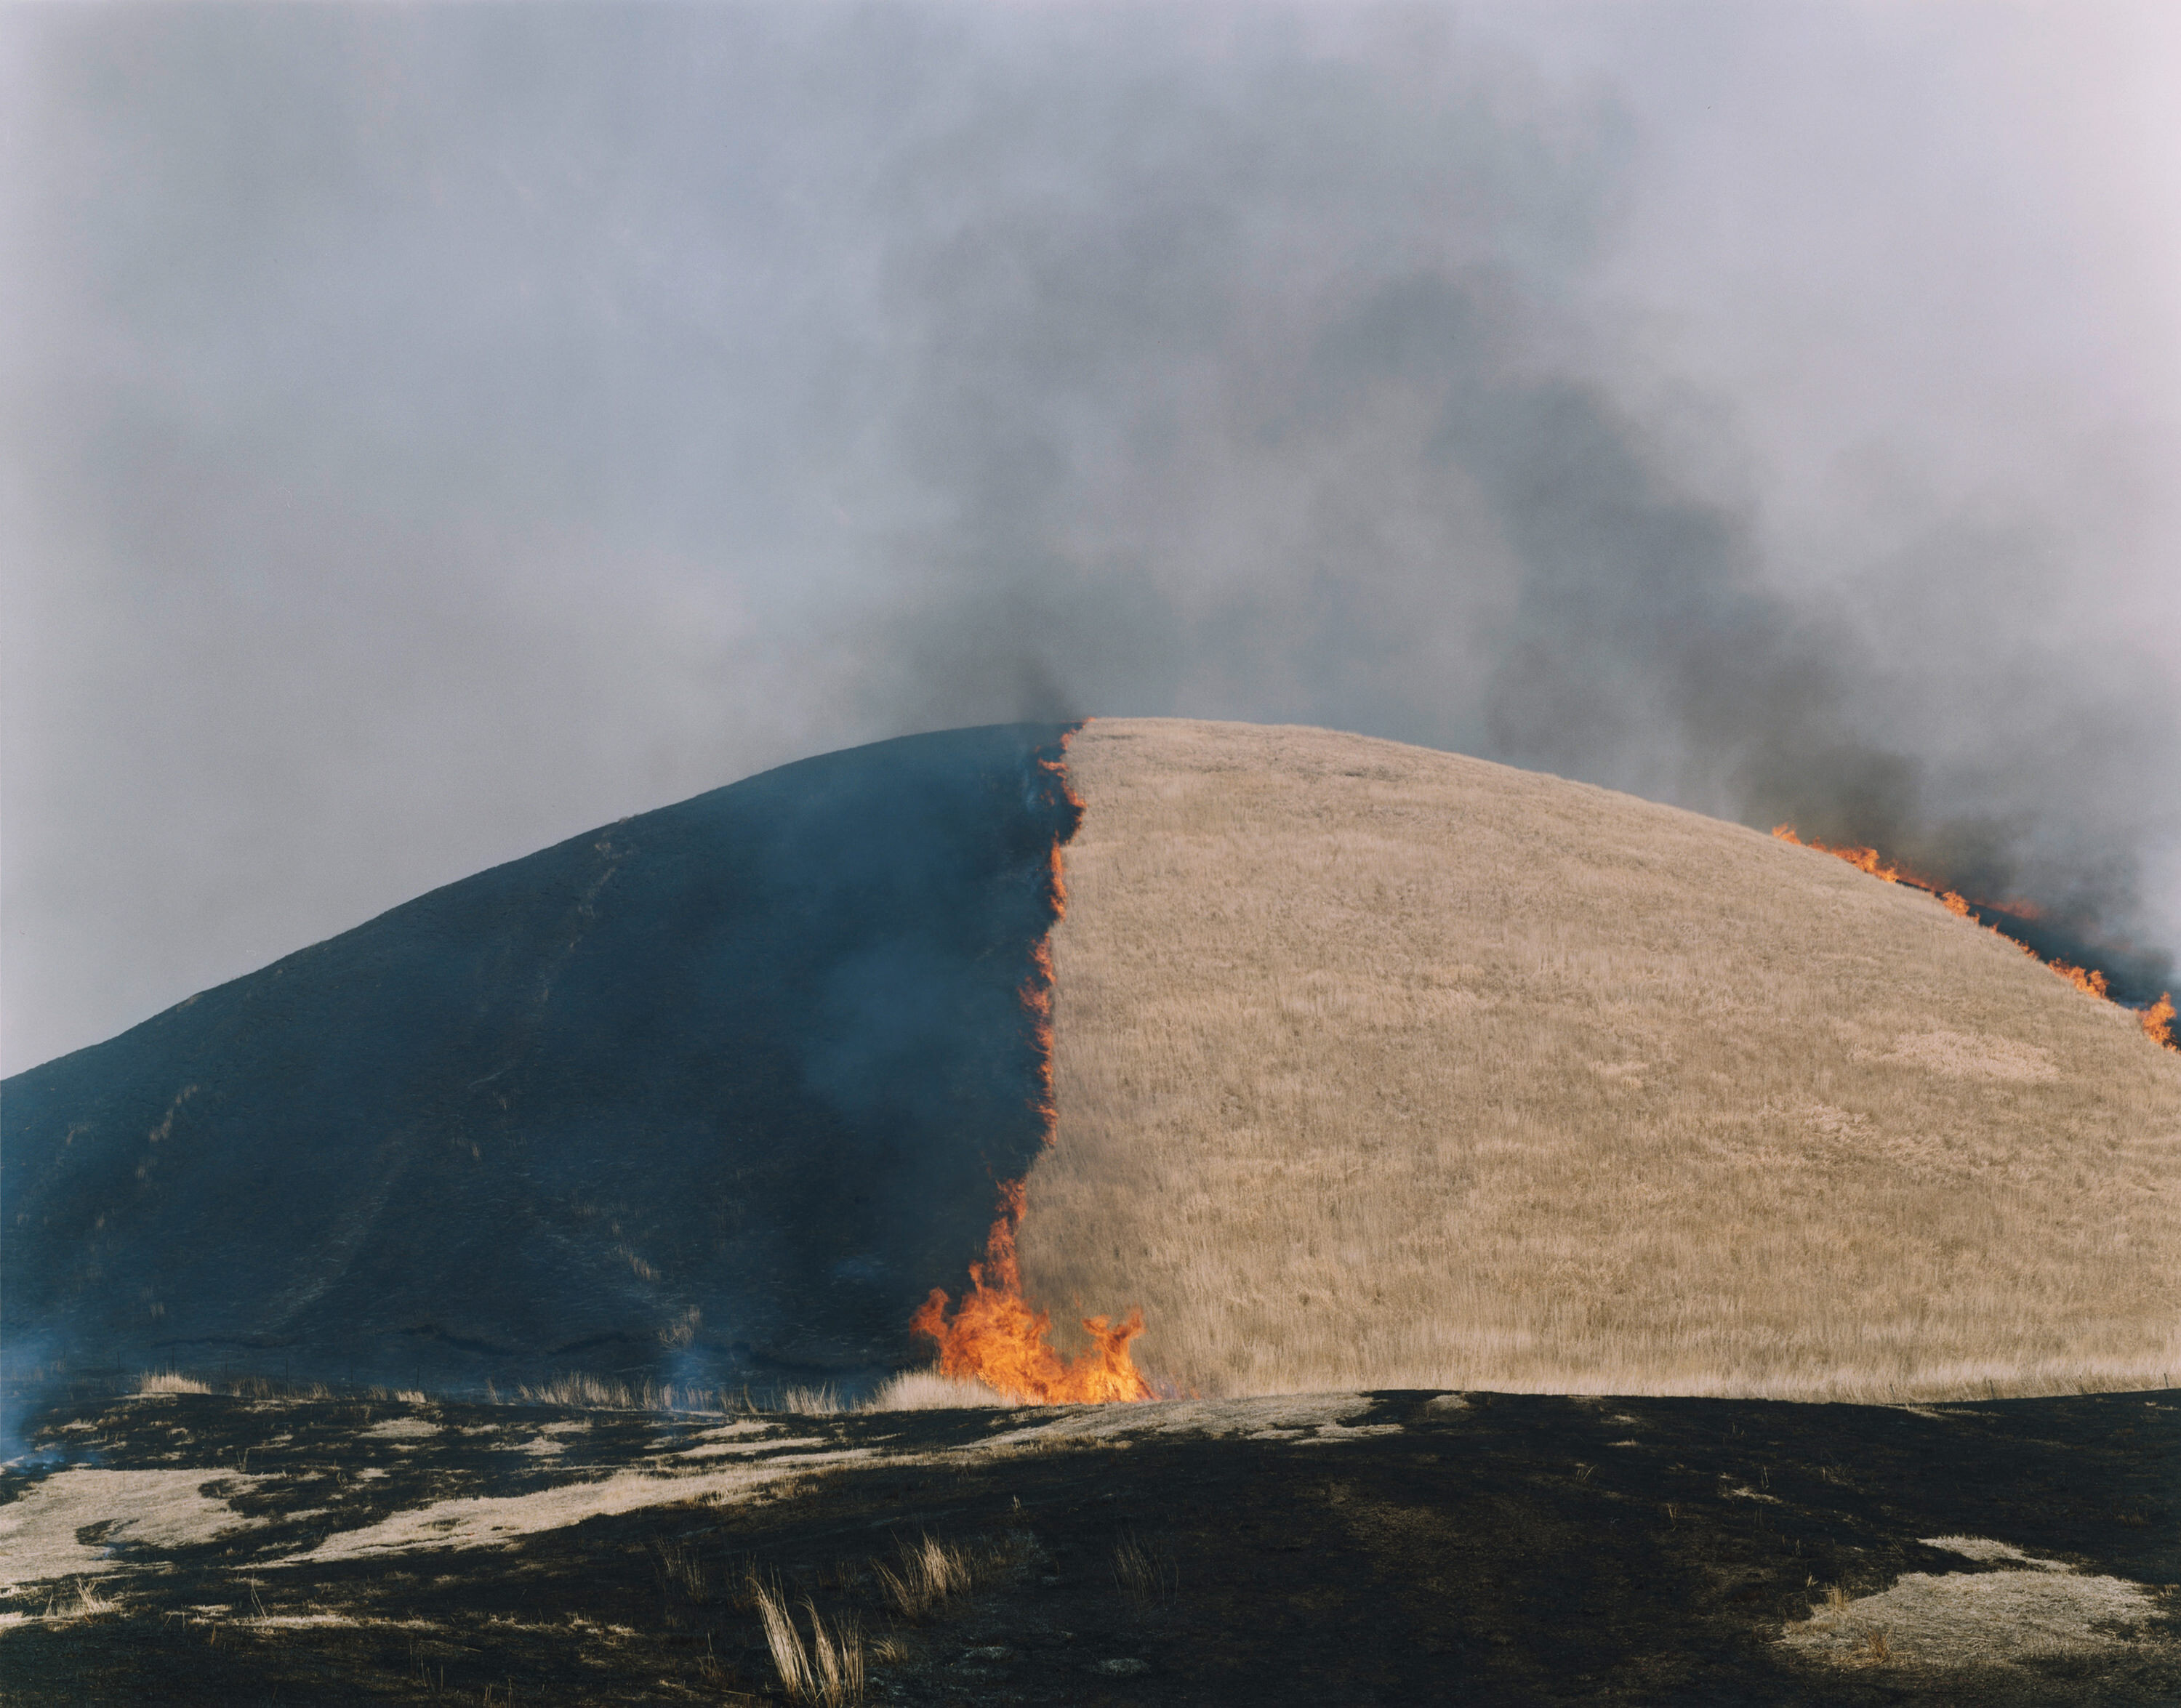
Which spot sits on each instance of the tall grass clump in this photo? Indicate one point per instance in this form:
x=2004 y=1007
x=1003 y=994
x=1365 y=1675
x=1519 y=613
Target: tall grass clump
x=928 y=1391
x=171 y=1382
x=928 y=1572
x=822 y=1402
x=827 y=1671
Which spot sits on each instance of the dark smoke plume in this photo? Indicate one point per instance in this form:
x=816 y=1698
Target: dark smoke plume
x=1276 y=413
x=443 y=428
x=1193 y=459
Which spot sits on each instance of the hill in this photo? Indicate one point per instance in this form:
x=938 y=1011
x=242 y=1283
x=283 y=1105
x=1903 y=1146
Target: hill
x=1374 y=1066
x=1379 y=1066
x=712 y=1095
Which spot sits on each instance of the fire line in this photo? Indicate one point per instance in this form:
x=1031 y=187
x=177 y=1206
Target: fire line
x=994 y=1336
x=2157 y=1020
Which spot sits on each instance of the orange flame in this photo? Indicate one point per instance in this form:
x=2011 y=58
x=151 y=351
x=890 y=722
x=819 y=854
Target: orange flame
x=1059 y=882
x=2157 y=1019
x=1057 y=770
x=1036 y=995
x=2090 y=984
x=1862 y=859
x=994 y=1336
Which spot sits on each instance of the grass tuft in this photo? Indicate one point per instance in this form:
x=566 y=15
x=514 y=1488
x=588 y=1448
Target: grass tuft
x=929 y=1572
x=823 y=1402
x=928 y=1391
x=1146 y=1571
x=170 y=1382
x=80 y=1600
x=679 y=1562
x=829 y=1670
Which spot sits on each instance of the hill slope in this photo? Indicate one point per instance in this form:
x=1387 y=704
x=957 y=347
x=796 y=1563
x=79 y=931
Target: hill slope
x=715 y=1093
x=1379 y=1066
x=1375 y=1066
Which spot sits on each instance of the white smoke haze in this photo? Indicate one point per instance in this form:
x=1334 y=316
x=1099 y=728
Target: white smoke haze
x=432 y=431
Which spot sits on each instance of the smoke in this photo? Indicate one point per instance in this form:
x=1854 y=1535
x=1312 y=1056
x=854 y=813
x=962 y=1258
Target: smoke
x=1281 y=410
x=440 y=430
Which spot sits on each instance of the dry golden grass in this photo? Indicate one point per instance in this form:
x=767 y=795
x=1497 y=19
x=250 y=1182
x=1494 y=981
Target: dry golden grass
x=581 y=1389
x=928 y=1391
x=828 y=1671
x=171 y=1382
x=932 y=1573
x=2045 y=1611
x=1379 y=1066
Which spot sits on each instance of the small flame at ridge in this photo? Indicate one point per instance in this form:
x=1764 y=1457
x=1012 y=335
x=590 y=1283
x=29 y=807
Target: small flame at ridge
x=2157 y=1020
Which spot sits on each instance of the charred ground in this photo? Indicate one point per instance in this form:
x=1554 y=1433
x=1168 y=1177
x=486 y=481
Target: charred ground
x=1387 y=1548
x=714 y=1095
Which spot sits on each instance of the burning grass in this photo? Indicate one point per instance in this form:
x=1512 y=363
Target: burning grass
x=2157 y=1020
x=1382 y=1067
x=995 y=1338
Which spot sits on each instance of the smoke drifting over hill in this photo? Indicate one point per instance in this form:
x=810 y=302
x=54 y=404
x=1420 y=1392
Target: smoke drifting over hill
x=713 y=1095
x=443 y=429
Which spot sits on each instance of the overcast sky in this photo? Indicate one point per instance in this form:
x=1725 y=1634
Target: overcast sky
x=432 y=431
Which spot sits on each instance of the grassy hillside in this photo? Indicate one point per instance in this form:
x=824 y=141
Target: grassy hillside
x=1379 y=1066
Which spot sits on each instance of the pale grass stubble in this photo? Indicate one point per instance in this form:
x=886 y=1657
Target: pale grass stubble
x=1380 y=1067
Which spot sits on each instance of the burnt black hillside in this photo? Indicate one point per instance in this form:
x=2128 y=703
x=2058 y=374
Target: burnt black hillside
x=712 y=1095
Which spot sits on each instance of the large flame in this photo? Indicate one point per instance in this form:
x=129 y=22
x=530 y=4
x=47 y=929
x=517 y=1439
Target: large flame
x=995 y=1336
x=2157 y=1020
